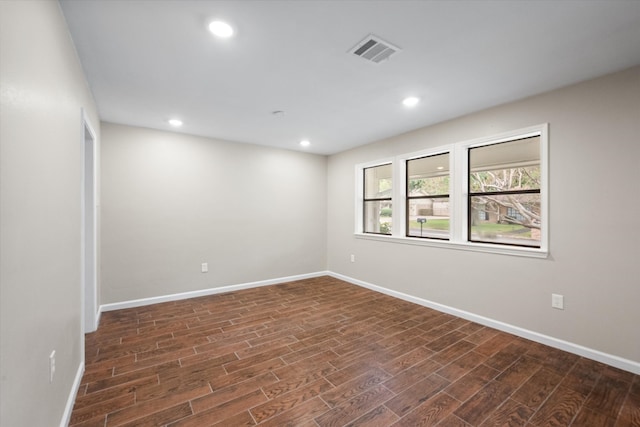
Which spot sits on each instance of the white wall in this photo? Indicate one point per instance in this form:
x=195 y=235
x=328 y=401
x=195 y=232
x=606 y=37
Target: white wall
x=172 y=201
x=594 y=232
x=42 y=92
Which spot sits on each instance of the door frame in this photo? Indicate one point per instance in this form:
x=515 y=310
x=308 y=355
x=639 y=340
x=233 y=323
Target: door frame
x=89 y=228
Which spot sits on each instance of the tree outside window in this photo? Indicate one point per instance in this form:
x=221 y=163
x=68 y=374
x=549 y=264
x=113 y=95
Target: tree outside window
x=504 y=193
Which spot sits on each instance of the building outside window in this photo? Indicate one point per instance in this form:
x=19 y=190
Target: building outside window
x=428 y=197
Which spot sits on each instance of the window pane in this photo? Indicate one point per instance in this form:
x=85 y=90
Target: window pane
x=377 y=182
x=508 y=166
x=524 y=178
x=377 y=216
x=507 y=219
x=429 y=218
x=428 y=176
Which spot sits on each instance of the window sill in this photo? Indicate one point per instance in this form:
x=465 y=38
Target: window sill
x=462 y=246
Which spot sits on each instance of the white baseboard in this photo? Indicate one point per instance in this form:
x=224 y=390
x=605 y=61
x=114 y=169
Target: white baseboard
x=589 y=353
x=66 y=416
x=211 y=291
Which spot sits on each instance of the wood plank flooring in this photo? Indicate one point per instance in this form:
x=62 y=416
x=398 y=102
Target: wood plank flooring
x=323 y=352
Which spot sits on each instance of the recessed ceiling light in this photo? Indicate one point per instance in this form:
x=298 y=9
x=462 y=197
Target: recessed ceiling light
x=175 y=122
x=411 y=101
x=440 y=168
x=221 y=29
x=305 y=143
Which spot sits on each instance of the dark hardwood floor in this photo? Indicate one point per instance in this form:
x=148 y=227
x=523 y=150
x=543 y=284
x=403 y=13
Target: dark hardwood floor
x=322 y=352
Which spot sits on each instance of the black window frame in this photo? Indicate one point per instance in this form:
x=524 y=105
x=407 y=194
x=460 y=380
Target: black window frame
x=365 y=199
x=471 y=194
x=408 y=198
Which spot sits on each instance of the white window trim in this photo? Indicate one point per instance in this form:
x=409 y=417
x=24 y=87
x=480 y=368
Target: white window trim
x=359 y=226
x=458 y=163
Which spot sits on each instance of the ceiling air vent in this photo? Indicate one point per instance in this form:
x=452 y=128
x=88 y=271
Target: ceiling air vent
x=374 y=49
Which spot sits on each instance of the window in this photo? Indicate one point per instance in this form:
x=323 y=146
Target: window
x=504 y=193
x=377 y=206
x=514 y=213
x=427 y=210
x=485 y=195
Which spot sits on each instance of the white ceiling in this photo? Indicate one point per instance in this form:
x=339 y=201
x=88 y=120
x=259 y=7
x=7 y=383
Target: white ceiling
x=147 y=61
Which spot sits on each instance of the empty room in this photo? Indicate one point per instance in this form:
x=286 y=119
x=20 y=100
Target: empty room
x=319 y=213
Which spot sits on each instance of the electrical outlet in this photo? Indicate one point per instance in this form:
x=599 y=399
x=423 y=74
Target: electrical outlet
x=353 y=258
x=557 y=301
x=52 y=365
x=205 y=267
